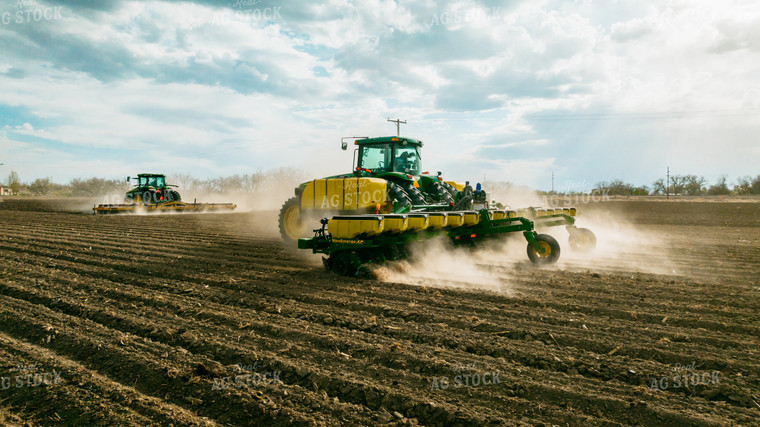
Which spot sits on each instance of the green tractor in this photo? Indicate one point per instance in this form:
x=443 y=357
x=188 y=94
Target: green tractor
x=387 y=177
x=153 y=194
x=151 y=189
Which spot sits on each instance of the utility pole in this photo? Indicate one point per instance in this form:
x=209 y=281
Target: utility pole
x=667 y=185
x=398 y=125
x=552 y=182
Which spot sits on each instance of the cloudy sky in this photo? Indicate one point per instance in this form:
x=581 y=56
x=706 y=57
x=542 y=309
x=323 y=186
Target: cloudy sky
x=513 y=90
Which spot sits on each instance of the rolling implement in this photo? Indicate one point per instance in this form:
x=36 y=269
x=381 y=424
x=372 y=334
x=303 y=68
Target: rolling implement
x=163 y=207
x=580 y=239
x=151 y=194
x=353 y=241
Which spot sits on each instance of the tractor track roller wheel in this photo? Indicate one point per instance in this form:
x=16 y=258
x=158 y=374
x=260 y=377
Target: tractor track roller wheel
x=414 y=193
x=441 y=194
x=395 y=192
x=344 y=263
x=291 y=226
x=549 y=250
x=582 y=239
x=450 y=188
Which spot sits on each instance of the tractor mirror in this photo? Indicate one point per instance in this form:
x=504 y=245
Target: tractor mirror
x=128 y=180
x=343 y=145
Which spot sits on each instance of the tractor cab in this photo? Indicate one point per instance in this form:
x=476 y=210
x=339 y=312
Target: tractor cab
x=151 y=188
x=387 y=177
x=377 y=156
x=151 y=180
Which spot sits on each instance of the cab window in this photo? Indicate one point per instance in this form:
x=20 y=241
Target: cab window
x=407 y=160
x=152 y=181
x=375 y=157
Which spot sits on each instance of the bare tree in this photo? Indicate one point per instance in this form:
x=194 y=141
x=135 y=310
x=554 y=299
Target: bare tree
x=41 y=186
x=615 y=187
x=96 y=186
x=694 y=185
x=14 y=182
x=659 y=186
x=253 y=182
x=719 y=188
x=755 y=185
x=747 y=185
x=677 y=184
x=184 y=181
x=641 y=191
x=743 y=185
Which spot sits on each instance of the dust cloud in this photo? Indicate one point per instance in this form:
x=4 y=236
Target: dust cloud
x=621 y=245
x=514 y=197
x=270 y=198
x=260 y=191
x=433 y=263
x=85 y=204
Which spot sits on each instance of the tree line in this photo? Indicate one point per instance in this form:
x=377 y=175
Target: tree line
x=686 y=185
x=239 y=183
x=683 y=185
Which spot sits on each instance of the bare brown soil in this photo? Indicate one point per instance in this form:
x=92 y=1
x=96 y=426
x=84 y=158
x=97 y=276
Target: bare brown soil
x=211 y=319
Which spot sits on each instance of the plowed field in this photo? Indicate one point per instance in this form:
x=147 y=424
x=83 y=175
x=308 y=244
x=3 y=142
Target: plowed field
x=210 y=319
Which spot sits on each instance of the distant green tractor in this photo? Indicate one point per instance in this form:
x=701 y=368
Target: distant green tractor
x=151 y=189
x=152 y=194
x=387 y=178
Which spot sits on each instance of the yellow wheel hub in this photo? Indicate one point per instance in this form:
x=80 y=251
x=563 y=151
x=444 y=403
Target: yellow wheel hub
x=546 y=250
x=291 y=222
